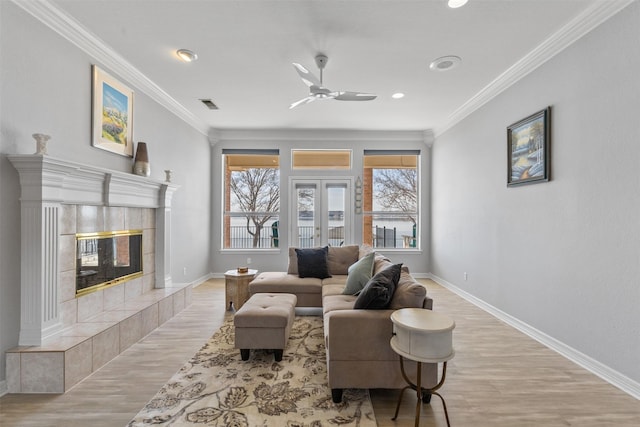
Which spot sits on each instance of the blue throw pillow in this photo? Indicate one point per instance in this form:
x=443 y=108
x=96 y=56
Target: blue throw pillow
x=360 y=273
x=378 y=292
x=313 y=262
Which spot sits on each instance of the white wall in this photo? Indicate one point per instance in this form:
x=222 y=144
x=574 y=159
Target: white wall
x=563 y=256
x=286 y=140
x=45 y=86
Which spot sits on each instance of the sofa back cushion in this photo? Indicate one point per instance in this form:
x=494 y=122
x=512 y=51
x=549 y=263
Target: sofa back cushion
x=339 y=259
x=408 y=294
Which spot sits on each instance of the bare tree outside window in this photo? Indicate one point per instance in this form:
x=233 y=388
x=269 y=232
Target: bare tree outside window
x=255 y=192
x=396 y=190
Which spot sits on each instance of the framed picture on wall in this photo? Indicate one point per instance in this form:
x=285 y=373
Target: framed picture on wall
x=111 y=114
x=528 y=149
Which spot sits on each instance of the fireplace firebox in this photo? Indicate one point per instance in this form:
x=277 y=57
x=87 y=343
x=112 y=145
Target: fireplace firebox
x=105 y=259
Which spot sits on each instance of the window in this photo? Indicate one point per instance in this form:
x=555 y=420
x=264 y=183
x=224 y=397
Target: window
x=391 y=198
x=320 y=159
x=251 y=199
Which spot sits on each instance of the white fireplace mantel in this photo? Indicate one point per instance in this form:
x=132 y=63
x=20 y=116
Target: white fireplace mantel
x=46 y=184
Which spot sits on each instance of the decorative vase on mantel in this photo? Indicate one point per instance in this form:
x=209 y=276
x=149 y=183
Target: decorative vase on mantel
x=41 y=143
x=141 y=160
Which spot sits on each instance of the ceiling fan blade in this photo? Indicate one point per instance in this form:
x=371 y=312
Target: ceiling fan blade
x=306 y=76
x=355 y=96
x=306 y=100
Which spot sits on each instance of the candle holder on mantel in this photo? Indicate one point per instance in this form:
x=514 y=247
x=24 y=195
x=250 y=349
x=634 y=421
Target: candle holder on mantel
x=41 y=143
x=141 y=161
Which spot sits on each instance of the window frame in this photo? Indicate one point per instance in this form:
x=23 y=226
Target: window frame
x=227 y=214
x=409 y=241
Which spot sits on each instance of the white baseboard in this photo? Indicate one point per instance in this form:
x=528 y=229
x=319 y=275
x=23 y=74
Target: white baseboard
x=201 y=280
x=3 y=388
x=611 y=376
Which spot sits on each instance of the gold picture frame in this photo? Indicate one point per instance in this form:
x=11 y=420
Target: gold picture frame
x=112 y=114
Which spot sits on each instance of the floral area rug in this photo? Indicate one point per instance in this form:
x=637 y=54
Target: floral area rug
x=216 y=388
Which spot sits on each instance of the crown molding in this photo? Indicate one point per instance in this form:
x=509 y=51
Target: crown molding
x=590 y=18
x=65 y=25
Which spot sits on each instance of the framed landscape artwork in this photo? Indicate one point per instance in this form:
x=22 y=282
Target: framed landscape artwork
x=112 y=114
x=528 y=152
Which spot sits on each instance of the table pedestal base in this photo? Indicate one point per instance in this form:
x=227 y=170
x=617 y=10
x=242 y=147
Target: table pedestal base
x=422 y=391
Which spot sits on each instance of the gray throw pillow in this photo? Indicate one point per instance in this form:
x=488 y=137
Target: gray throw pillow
x=313 y=262
x=359 y=274
x=378 y=292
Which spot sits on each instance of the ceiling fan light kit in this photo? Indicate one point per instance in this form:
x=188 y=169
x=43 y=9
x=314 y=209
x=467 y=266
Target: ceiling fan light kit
x=317 y=90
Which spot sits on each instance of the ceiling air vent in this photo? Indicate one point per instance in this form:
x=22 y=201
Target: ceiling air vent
x=209 y=103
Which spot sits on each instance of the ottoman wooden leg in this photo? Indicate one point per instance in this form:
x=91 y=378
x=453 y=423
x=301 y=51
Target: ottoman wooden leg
x=244 y=353
x=277 y=354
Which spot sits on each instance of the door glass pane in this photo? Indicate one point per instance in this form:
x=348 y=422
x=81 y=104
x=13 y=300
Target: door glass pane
x=306 y=218
x=336 y=214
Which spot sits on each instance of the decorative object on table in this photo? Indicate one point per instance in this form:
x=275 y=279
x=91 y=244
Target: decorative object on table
x=358 y=196
x=423 y=336
x=529 y=149
x=41 y=143
x=216 y=387
x=167 y=174
x=243 y=270
x=112 y=114
x=141 y=162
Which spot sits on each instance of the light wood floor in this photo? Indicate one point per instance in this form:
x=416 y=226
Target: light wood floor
x=499 y=377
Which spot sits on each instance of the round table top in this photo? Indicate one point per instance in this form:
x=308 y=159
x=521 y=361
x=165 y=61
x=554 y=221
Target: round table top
x=235 y=273
x=420 y=319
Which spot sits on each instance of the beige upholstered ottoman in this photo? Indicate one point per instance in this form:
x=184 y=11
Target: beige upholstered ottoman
x=264 y=322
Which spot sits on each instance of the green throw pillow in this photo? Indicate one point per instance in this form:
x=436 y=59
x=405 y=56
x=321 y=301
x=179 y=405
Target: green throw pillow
x=360 y=273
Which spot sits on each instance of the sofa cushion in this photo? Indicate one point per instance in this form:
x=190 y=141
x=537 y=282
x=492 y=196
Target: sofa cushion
x=378 y=292
x=312 y=262
x=359 y=274
x=293 y=262
x=332 y=290
x=380 y=263
x=273 y=281
x=336 y=279
x=341 y=257
x=337 y=302
x=408 y=294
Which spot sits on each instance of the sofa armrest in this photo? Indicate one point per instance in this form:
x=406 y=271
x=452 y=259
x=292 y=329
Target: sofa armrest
x=359 y=335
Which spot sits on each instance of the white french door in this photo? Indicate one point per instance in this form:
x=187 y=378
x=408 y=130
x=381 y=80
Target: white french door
x=321 y=212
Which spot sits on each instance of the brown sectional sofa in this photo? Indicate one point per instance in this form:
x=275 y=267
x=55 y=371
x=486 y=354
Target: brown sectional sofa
x=357 y=340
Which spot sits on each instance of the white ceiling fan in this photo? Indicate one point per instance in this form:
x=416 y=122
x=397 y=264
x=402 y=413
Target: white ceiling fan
x=317 y=89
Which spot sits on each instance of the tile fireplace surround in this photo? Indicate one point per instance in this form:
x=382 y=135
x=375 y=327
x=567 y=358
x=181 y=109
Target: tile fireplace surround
x=63 y=338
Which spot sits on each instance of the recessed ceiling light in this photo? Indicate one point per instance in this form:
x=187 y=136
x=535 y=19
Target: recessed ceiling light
x=186 y=55
x=397 y=95
x=454 y=4
x=445 y=63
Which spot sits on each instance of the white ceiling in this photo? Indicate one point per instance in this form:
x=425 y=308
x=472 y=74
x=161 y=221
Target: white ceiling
x=246 y=48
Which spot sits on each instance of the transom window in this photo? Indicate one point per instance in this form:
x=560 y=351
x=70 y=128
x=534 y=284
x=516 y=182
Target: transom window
x=320 y=159
x=391 y=198
x=251 y=199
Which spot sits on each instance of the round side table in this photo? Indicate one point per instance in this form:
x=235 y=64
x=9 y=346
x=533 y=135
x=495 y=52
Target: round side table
x=424 y=337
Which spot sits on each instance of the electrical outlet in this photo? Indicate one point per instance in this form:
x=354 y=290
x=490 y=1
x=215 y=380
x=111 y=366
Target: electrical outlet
x=184 y=271
x=466 y=276
x=248 y=261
